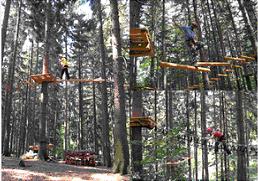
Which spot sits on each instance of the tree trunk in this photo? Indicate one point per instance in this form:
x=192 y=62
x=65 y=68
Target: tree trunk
x=236 y=33
x=104 y=103
x=248 y=25
x=188 y=136
x=121 y=155
x=136 y=134
x=225 y=130
x=162 y=79
x=43 y=121
x=81 y=117
x=204 y=144
x=221 y=40
x=215 y=53
x=247 y=135
x=96 y=145
x=23 y=123
x=221 y=120
x=9 y=93
x=137 y=109
x=199 y=35
x=156 y=135
x=241 y=158
x=195 y=136
x=250 y=9
x=5 y=25
x=44 y=92
x=30 y=128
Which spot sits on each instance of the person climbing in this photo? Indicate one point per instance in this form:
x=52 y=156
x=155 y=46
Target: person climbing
x=190 y=37
x=220 y=138
x=64 y=63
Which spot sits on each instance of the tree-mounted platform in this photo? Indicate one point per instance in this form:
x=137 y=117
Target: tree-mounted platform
x=147 y=122
x=248 y=58
x=140 y=43
x=145 y=49
x=176 y=162
x=183 y=67
x=139 y=36
x=234 y=58
x=40 y=78
x=213 y=64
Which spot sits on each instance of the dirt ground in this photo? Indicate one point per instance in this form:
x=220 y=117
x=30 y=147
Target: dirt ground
x=36 y=170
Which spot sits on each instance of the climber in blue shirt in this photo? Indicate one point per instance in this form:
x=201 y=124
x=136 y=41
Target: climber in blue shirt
x=190 y=36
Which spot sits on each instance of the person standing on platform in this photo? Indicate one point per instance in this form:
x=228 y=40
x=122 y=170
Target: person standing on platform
x=64 y=63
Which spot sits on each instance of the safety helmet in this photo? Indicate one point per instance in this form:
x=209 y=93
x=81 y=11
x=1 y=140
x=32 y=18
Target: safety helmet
x=209 y=130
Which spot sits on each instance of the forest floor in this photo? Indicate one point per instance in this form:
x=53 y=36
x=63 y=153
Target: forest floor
x=37 y=170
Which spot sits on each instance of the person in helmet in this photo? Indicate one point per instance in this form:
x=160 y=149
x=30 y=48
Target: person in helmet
x=64 y=63
x=190 y=36
x=219 y=138
x=209 y=131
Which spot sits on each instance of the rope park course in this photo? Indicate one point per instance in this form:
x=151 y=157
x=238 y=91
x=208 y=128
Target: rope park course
x=141 y=45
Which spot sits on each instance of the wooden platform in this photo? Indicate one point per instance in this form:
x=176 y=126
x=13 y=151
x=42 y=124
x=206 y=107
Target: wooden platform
x=147 y=122
x=138 y=35
x=234 y=58
x=213 y=64
x=183 y=67
x=40 y=78
x=144 y=49
x=247 y=58
x=52 y=79
x=140 y=43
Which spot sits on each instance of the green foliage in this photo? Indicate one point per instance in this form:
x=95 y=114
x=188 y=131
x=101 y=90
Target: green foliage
x=59 y=150
x=253 y=170
x=167 y=147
